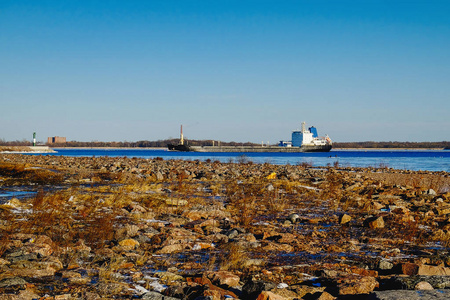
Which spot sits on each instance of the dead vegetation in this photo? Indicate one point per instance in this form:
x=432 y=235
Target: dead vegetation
x=118 y=223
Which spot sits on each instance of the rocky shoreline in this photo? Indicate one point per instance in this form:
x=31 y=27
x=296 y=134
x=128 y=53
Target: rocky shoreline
x=129 y=228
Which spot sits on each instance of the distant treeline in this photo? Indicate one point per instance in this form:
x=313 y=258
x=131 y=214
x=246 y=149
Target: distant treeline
x=163 y=143
x=420 y=145
x=150 y=144
x=138 y=144
x=15 y=143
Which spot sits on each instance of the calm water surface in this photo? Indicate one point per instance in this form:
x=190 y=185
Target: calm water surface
x=430 y=160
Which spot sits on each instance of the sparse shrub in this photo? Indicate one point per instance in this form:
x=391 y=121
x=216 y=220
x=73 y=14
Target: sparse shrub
x=336 y=164
x=305 y=164
x=234 y=258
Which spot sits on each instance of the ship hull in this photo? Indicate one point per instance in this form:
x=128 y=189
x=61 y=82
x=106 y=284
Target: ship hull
x=318 y=148
x=183 y=148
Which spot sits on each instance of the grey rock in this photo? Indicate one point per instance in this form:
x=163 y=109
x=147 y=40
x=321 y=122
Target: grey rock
x=385 y=265
x=293 y=218
x=252 y=289
x=159 y=176
x=328 y=273
x=157 y=296
x=142 y=239
x=431 y=192
x=12 y=281
x=287 y=222
x=25 y=257
x=233 y=233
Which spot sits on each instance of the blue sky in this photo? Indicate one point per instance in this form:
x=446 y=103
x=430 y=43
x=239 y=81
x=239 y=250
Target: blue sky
x=226 y=70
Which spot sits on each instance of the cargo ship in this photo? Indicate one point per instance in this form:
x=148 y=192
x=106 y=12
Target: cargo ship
x=309 y=141
x=303 y=140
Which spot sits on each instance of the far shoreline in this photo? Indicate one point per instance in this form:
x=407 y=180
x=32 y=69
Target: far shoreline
x=31 y=149
x=165 y=148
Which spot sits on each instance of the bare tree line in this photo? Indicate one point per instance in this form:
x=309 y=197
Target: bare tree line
x=163 y=143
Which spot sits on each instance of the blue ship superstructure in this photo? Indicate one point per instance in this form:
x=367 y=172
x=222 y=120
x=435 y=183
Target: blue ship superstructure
x=308 y=140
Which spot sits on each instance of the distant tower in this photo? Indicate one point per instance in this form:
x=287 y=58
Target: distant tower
x=181 y=136
x=34 y=138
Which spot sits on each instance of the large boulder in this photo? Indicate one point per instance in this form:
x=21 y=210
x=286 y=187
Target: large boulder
x=252 y=289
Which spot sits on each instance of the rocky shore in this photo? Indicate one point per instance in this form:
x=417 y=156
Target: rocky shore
x=129 y=228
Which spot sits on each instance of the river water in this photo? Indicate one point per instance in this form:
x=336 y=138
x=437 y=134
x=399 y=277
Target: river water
x=429 y=160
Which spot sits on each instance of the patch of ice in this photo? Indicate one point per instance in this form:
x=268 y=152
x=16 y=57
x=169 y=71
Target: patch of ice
x=140 y=289
x=156 y=221
x=282 y=285
x=158 y=287
x=309 y=187
x=22 y=211
x=261 y=223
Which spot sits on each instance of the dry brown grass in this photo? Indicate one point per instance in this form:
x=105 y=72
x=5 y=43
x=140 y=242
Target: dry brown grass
x=65 y=218
x=437 y=182
x=234 y=257
x=30 y=174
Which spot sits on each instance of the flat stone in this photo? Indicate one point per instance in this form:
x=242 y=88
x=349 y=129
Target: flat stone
x=433 y=270
x=357 y=285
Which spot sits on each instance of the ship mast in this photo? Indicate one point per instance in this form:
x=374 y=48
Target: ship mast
x=181 y=136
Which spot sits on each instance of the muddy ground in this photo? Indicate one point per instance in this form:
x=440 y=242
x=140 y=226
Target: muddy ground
x=128 y=228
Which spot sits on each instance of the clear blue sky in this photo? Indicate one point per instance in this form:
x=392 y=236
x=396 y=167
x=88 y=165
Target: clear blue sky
x=227 y=70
